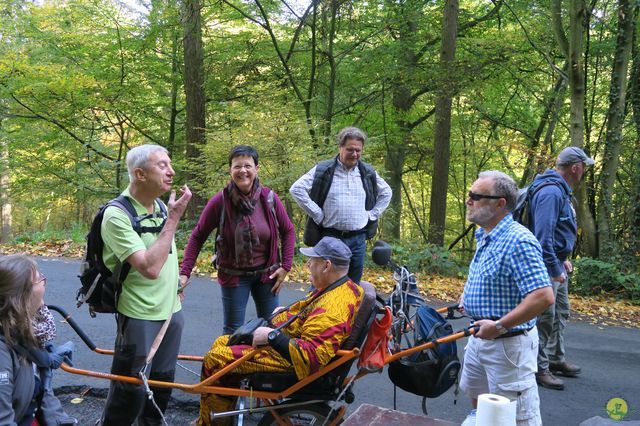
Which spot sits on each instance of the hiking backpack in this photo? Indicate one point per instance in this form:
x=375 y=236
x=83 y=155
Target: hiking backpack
x=101 y=287
x=522 y=212
x=433 y=371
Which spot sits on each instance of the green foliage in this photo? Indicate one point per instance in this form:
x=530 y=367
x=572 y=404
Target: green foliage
x=77 y=233
x=82 y=81
x=428 y=259
x=592 y=277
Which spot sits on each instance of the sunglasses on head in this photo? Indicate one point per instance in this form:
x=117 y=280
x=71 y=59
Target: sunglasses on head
x=477 y=197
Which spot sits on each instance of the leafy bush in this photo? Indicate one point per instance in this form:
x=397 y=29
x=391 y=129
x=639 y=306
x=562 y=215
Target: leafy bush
x=76 y=234
x=594 y=277
x=428 y=259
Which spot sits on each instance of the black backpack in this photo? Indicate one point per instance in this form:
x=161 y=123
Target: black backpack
x=521 y=213
x=100 y=287
x=431 y=372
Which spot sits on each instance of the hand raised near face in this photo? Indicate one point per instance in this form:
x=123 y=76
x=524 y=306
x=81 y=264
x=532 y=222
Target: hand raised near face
x=176 y=208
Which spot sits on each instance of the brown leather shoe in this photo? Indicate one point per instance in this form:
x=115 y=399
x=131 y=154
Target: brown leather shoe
x=564 y=368
x=548 y=380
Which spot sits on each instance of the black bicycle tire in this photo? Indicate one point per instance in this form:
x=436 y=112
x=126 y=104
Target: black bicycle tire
x=320 y=411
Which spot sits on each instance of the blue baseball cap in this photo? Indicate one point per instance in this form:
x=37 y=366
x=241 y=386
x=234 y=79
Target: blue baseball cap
x=330 y=248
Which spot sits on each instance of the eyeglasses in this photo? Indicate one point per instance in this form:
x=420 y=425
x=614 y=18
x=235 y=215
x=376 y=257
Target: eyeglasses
x=245 y=166
x=42 y=279
x=477 y=197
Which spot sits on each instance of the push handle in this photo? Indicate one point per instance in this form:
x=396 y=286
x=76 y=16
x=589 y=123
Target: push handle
x=87 y=341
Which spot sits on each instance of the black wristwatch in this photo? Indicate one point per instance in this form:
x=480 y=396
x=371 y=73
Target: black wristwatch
x=273 y=335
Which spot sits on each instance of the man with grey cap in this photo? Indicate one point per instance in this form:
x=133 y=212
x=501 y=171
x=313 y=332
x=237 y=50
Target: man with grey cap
x=328 y=266
x=552 y=220
x=303 y=337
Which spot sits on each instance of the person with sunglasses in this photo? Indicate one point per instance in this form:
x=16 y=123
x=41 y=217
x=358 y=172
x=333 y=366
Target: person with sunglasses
x=506 y=289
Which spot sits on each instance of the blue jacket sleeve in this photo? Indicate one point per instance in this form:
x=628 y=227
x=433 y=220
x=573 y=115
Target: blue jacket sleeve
x=547 y=204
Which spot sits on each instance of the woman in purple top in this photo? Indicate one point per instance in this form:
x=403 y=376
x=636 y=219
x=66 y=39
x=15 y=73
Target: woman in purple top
x=251 y=222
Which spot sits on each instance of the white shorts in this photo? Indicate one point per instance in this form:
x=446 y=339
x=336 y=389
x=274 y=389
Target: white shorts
x=505 y=367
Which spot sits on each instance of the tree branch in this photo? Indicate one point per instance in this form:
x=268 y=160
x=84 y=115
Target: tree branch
x=63 y=128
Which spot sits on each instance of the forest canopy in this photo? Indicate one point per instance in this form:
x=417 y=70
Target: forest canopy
x=443 y=89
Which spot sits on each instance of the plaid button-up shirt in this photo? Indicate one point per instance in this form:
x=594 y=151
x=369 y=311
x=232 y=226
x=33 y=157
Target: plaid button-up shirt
x=506 y=267
x=344 y=208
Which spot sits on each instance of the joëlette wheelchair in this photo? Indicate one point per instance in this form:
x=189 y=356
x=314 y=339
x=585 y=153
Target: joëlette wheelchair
x=318 y=398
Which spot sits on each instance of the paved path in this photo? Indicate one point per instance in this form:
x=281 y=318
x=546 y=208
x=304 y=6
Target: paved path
x=609 y=356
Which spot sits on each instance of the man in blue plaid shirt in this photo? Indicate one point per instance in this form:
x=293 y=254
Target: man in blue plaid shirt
x=507 y=288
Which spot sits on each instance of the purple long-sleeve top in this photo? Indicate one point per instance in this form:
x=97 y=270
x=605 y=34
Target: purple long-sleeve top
x=282 y=230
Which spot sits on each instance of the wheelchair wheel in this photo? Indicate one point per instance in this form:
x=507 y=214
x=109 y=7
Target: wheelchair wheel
x=312 y=414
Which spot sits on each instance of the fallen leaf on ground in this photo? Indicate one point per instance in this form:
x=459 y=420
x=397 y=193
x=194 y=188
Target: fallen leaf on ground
x=602 y=310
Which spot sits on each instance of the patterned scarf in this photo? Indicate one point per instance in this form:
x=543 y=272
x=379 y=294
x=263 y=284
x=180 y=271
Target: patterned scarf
x=44 y=326
x=245 y=234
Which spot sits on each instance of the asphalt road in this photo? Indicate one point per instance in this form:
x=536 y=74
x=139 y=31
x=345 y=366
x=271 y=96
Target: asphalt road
x=609 y=356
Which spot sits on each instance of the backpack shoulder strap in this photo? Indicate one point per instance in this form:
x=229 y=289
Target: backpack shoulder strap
x=124 y=204
x=163 y=207
x=218 y=238
x=533 y=190
x=121 y=269
x=271 y=202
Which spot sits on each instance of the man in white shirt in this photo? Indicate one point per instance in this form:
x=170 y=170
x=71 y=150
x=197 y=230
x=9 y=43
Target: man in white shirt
x=343 y=198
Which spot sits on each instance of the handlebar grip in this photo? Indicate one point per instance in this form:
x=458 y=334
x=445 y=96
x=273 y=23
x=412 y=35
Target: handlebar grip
x=86 y=339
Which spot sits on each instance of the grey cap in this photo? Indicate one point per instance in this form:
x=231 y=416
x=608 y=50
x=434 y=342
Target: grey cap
x=330 y=248
x=572 y=155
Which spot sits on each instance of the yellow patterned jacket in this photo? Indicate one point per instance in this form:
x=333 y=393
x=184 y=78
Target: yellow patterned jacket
x=324 y=323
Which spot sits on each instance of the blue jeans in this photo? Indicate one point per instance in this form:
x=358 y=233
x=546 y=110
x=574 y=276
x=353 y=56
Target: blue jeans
x=358 y=246
x=234 y=302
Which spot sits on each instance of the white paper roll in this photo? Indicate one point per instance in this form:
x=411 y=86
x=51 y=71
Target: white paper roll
x=495 y=410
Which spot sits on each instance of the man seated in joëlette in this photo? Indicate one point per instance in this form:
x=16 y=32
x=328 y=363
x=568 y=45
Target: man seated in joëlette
x=317 y=327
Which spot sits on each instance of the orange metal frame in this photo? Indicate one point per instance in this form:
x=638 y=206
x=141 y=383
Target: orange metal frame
x=206 y=387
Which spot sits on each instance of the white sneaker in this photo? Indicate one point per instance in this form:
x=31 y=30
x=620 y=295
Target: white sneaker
x=471 y=419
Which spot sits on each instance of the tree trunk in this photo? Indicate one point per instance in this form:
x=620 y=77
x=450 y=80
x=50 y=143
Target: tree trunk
x=634 y=95
x=394 y=164
x=195 y=97
x=5 y=202
x=548 y=120
x=442 y=136
x=576 y=72
x=175 y=84
x=615 y=119
x=576 y=128
x=402 y=103
x=331 y=84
